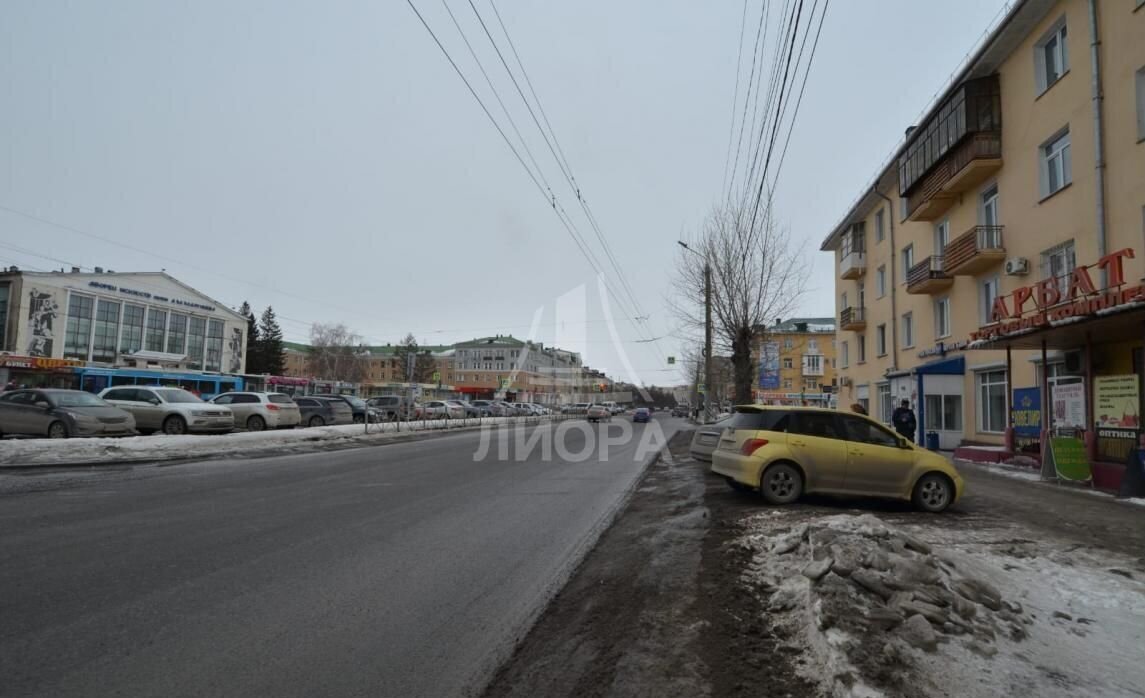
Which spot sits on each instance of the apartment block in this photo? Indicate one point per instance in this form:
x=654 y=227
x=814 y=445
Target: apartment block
x=797 y=362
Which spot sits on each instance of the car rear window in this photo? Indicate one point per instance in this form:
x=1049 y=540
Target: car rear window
x=765 y=420
x=279 y=399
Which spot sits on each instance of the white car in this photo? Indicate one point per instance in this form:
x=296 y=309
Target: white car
x=171 y=410
x=598 y=413
x=439 y=409
x=258 y=411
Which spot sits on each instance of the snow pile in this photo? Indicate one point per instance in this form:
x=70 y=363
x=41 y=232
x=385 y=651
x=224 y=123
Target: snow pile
x=876 y=611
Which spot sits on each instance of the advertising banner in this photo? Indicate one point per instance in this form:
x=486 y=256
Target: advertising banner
x=1069 y=459
x=1116 y=402
x=769 y=366
x=1069 y=405
x=1026 y=414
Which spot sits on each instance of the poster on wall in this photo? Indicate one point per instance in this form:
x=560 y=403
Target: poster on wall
x=1026 y=414
x=1069 y=405
x=769 y=366
x=1117 y=400
x=43 y=312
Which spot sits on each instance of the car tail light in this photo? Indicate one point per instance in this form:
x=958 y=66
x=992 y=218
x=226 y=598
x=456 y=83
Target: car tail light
x=272 y=407
x=750 y=446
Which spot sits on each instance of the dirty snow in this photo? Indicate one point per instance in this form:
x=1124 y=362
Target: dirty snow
x=165 y=447
x=1000 y=610
x=1018 y=473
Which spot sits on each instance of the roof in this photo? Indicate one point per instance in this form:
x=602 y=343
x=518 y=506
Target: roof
x=814 y=324
x=1014 y=27
x=381 y=350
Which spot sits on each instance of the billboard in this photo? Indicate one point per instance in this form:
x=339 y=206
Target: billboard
x=1026 y=413
x=769 y=366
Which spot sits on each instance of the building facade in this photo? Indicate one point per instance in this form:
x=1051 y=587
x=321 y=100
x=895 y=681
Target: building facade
x=796 y=360
x=143 y=320
x=952 y=269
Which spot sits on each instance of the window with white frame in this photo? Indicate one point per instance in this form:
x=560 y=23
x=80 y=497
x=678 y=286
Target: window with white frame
x=844 y=354
x=812 y=345
x=843 y=300
x=881 y=340
x=788 y=363
x=788 y=343
x=988 y=210
x=787 y=383
x=987 y=292
x=907 y=330
x=1058 y=262
x=1054 y=156
x=880 y=224
x=813 y=364
x=1051 y=56
x=942 y=317
x=943 y=412
x=941 y=235
x=907 y=261
x=886 y=406
x=881 y=281
x=862 y=342
x=1140 y=80
x=811 y=384
x=991 y=403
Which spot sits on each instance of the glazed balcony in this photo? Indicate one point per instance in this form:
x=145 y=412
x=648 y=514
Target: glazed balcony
x=928 y=276
x=853 y=265
x=853 y=319
x=974 y=251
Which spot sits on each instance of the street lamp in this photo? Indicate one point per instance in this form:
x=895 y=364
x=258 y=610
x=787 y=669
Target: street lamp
x=707 y=327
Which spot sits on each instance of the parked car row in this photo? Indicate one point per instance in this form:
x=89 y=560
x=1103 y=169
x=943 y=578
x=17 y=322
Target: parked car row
x=137 y=409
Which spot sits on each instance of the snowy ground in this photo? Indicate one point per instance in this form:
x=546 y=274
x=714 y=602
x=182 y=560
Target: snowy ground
x=20 y=452
x=1021 y=472
x=910 y=606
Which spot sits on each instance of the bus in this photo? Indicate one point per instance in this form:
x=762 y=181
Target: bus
x=206 y=385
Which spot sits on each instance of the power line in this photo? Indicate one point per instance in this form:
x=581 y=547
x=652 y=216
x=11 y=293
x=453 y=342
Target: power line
x=802 y=87
x=735 y=95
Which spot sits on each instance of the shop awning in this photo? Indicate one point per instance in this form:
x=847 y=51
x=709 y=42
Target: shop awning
x=955 y=366
x=1126 y=325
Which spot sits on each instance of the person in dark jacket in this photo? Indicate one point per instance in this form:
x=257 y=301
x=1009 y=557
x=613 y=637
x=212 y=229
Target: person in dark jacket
x=904 y=420
x=1133 y=482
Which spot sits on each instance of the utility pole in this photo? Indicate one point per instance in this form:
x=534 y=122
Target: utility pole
x=707 y=331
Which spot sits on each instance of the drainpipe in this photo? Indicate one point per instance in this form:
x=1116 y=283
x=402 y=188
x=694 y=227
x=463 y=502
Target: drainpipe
x=893 y=284
x=1098 y=133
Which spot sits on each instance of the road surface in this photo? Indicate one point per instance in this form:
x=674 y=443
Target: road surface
x=401 y=570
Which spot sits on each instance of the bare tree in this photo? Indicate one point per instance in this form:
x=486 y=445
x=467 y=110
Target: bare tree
x=758 y=273
x=423 y=363
x=336 y=353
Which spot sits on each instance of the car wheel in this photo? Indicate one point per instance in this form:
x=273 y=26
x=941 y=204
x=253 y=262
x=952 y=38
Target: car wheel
x=255 y=423
x=358 y=419
x=933 y=493
x=174 y=425
x=57 y=430
x=736 y=484
x=316 y=421
x=782 y=483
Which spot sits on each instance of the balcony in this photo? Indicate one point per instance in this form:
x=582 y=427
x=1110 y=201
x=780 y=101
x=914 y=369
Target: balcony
x=974 y=251
x=812 y=365
x=928 y=276
x=965 y=167
x=853 y=319
x=853 y=265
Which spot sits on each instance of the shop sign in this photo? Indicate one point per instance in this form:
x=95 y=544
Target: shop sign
x=147 y=295
x=1116 y=404
x=1026 y=414
x=1010 y=314
x=38 y=362
x=942 y=348
x=1069 y=405
x=1068 y=458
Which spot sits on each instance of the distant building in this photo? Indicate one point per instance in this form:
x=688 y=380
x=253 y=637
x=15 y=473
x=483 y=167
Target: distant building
x=795 y=362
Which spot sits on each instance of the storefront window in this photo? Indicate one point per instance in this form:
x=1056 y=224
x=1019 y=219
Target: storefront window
x=77 y=340
x=156 y=329
x=132 y=328
x=992 y=401
x=943 y=413
x=214 y=345
x=177 y=333
x=196 y=339
x=106 y=331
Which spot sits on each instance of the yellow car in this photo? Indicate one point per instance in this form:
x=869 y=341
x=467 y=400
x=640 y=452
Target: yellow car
x=787 y=451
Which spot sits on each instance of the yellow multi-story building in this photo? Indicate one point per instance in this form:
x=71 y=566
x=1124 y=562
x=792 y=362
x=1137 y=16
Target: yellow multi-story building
x=982 y=250
x=796 y=360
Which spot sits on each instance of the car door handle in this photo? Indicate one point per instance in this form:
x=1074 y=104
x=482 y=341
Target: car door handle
x=798 y=442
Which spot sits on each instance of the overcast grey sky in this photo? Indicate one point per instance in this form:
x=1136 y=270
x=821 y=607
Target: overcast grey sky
x=323 y=157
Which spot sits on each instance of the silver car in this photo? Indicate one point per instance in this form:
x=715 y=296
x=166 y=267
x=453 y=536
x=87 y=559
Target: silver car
x=706 y=438
x=170 y=410
x=58 y=414
x=258 y=411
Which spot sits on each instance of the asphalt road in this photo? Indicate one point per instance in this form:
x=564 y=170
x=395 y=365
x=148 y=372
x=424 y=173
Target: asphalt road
x=401 y=570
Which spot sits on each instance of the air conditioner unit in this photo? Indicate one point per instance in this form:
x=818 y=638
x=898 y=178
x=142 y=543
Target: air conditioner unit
x=1017 y=266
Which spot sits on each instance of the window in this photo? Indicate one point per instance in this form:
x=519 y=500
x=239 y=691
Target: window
x=811 y=384
x=1055 y=164
x=844 y=354
x=941 y=236
x=77 y=341
x=787 y=363
x=788 y=343
x=820 y=424
x=908 y=330
x=1141 y=104
x=907 y=261
x=867 y=432
x=886 y=406
x=862 y=340
x=943 y=412
x=812 y=364
x=1051 y=56
x=881 y=340
x=1058 y=262
x=987 y=292
x=787 y=383
x=862 y=295
x=156 y=329
x=992 y=402
x=881 y=281
x=942 y=318
x=196 y=340
x=214 y=360
x=177 y=334
x=879 y=234
x=132 y=340
x=843 y=301
x=106 y=331
x=988 y=213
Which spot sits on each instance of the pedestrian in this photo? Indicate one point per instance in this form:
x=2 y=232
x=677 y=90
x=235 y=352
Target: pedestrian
x=10 y=386
x=858 y=409
x=904 y=420
x=1133 y=481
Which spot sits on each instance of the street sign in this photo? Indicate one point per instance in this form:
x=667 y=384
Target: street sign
x=671 y=360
